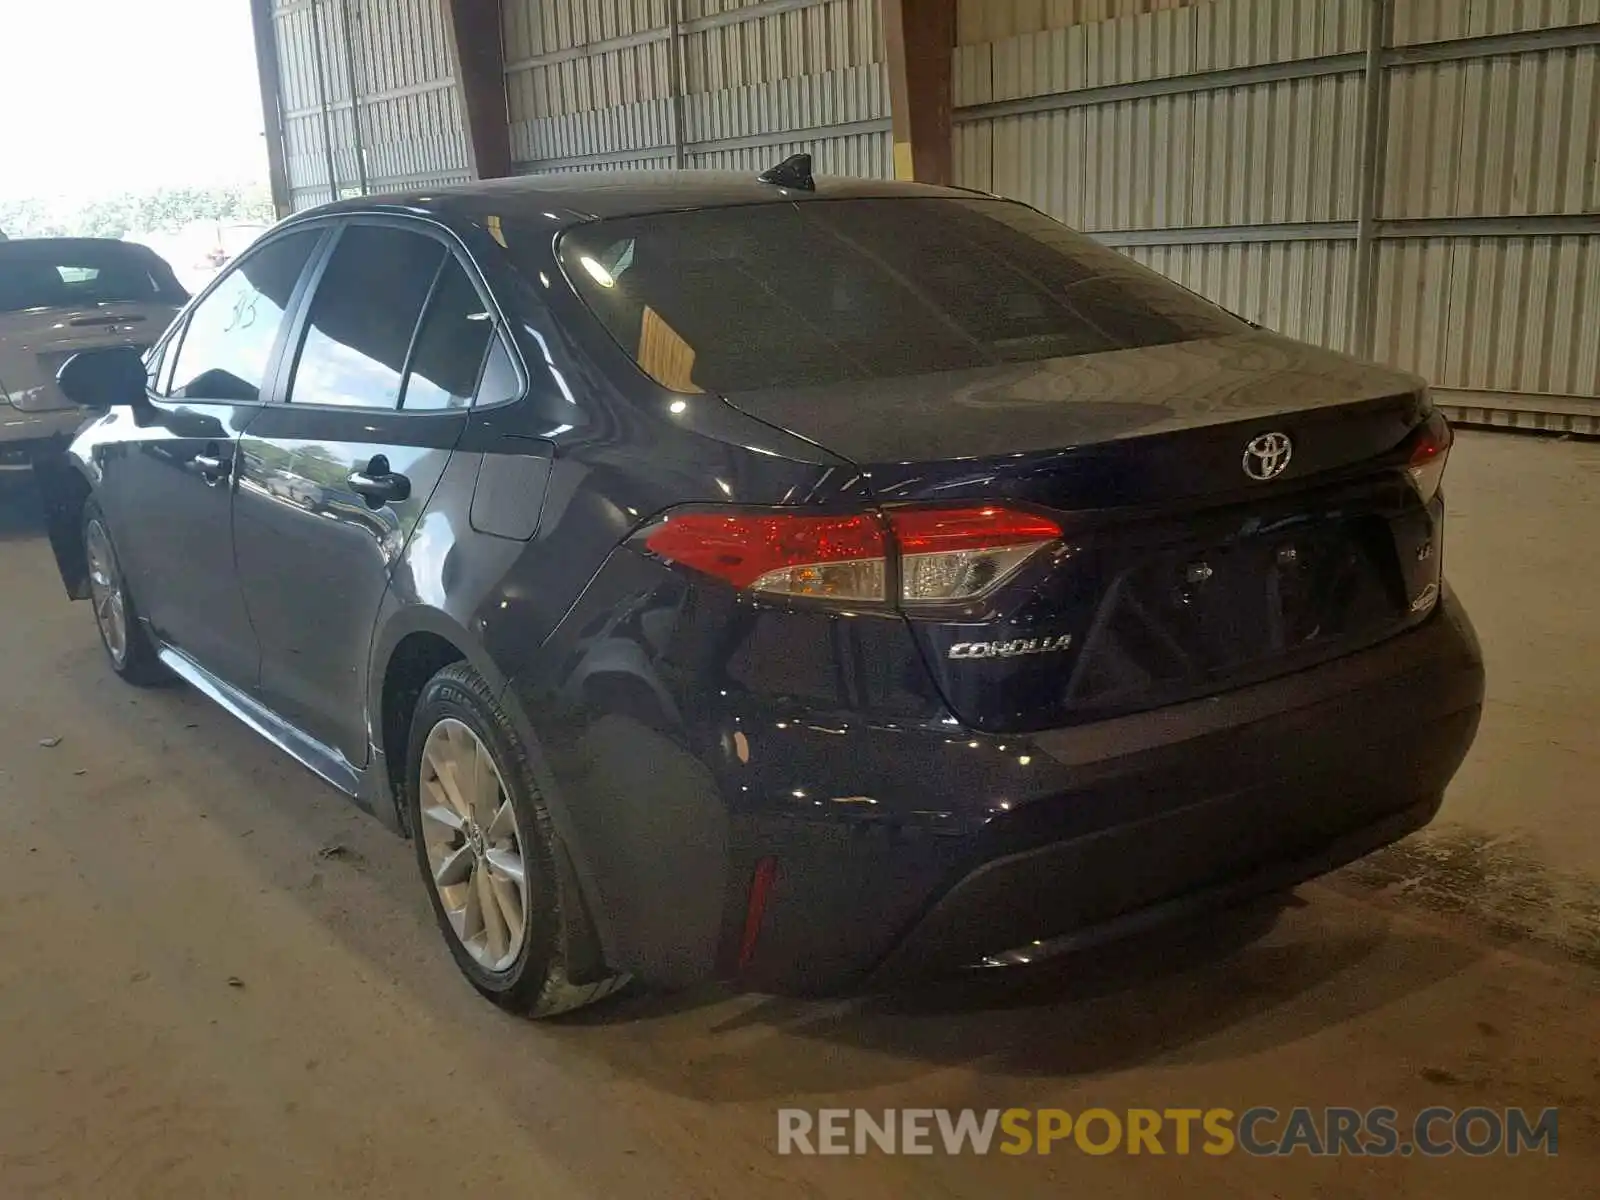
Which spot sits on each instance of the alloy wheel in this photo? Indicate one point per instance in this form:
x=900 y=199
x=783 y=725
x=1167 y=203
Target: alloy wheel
x=474 y=845
x=105 y=585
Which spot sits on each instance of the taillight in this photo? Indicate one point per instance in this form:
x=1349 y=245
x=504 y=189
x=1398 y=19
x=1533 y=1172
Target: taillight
x=787 y=554
x=944 y=554
x=962 y=553
x=1430 y=449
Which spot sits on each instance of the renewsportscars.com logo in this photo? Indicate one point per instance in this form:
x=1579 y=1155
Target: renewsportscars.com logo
x=1262 y=1132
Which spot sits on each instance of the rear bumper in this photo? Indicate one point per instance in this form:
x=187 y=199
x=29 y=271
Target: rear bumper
x=933 y=942
x=24 y=435
x=1029 y=893
x=1138 y=820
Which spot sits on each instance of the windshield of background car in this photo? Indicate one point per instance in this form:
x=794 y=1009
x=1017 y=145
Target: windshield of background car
x=71 y=274
x=794 y=295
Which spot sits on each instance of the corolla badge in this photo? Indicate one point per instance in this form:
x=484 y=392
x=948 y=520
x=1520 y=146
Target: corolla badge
x=1425 y=598
x=1013 y=649
x=1266 y=457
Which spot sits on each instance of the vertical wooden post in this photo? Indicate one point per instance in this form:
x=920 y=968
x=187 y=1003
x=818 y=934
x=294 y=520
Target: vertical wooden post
x=476 y=41
x=920 y=36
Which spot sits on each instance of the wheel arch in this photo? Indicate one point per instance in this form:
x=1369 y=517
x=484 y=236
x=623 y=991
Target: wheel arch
x=419 y=638
x=408 y=649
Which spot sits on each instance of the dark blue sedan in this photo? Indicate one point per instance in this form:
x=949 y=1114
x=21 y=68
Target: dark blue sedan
x=814 y=584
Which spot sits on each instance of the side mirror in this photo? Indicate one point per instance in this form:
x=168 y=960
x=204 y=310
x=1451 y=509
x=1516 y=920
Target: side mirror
x=103 y=378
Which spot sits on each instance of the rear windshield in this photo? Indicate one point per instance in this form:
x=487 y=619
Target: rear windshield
x=790 y=295
x=72 y=274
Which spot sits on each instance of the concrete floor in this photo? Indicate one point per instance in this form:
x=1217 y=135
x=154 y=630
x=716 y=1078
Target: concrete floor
x=218 y=979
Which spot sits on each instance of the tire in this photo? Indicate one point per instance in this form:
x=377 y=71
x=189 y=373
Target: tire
x=131 y=652
x=472 y=842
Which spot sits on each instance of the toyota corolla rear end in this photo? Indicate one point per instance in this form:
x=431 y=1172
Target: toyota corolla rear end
x=60 y=297
x=1113 y=607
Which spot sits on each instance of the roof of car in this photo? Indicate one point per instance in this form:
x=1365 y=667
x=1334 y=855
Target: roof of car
x=22 y=245
x=590 y=195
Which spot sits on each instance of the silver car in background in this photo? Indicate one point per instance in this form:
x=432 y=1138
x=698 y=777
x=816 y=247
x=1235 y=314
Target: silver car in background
x=59 y=296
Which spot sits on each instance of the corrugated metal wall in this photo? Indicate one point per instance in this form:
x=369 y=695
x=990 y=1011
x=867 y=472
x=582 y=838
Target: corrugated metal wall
x=374 y=111
x=1114 y=156
x=1496 y=314
x=1512 y=134
x=1441 y=20
x=1304 y=286
x=992 y=20
x=1220 y=141
x=602 y=84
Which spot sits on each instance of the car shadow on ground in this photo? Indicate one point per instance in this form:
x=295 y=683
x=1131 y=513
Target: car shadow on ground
x=1222 y=987
x=21 y=507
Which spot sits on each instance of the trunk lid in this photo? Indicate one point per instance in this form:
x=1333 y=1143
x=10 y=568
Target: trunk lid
x=1178 y=574
x=1129 y=427
x=35 y=342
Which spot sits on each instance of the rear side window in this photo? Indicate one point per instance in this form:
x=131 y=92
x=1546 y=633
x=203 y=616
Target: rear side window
x=363 y=316
x=228 y=341
x=451 y=344
x=789 y=295
x=499 y=382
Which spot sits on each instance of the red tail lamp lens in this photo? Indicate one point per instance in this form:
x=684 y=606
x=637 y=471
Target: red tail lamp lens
x=1429 y=454
x=945 y=553
x=839 y=557
x=931 y=530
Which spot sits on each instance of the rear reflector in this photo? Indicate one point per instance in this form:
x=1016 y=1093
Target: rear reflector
x=945 y=554
x=766 y=874
x=1429 y=453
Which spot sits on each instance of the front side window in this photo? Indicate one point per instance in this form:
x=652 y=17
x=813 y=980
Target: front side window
x=227 y=343
x=152 y=367
x=801 y=294
x=363 y=316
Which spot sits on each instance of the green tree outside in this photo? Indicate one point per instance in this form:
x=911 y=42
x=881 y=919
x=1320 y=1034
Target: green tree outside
x=168 y=209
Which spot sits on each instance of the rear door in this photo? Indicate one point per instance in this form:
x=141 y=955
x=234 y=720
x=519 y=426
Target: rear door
x=167 y=479
x=334 y=480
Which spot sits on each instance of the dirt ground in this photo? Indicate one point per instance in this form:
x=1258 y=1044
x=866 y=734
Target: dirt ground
x=217 y=979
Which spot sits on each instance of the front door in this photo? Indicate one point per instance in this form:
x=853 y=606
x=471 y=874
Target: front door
x=334 y=481
x=168 y=487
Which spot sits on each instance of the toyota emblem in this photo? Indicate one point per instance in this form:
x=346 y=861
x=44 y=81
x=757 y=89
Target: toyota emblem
x=1267 y=456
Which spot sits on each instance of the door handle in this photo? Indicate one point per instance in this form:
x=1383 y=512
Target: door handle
x=213 y=466
x=378 y=485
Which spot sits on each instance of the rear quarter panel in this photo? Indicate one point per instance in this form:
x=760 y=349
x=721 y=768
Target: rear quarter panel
x=611 y=451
